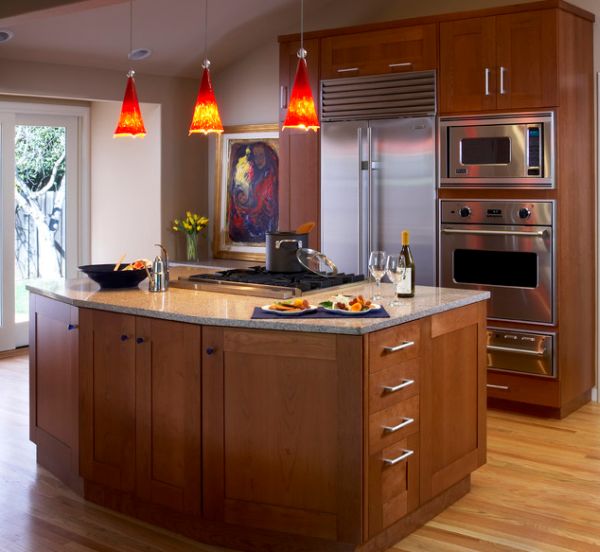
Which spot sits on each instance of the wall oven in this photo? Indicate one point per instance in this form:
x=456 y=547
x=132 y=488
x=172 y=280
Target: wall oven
x=499 y=151
x=505 y=247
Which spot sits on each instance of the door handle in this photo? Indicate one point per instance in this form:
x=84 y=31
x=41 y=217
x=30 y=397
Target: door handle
x=538 y=234
x=502 y=71
x=487 y=81
x=501 y=349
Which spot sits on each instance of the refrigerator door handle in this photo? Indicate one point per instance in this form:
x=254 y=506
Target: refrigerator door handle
x=370 y=191
x=362 y=166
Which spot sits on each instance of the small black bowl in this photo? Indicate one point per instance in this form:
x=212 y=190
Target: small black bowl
x=108 y=278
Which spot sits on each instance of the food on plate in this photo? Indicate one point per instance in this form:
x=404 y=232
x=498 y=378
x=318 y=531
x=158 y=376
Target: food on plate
x=348 y=303
x=140 y=264
x=292 y=305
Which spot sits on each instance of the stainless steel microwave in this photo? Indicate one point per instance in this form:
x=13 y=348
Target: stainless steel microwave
x=497 y=151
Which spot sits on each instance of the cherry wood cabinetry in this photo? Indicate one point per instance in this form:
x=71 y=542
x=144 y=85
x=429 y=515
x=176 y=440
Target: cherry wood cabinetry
x=411 y=48
x=140 y=407
x=499 y=62
x=54 y=387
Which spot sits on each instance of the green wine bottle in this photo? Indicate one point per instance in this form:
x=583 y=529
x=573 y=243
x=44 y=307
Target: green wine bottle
x=406 y=288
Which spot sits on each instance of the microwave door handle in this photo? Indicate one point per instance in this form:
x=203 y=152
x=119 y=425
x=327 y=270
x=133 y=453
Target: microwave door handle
x=538 y=234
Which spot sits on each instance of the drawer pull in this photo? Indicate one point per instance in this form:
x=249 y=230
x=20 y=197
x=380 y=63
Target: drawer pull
x=347 y=70
x=403 y=64
x=501 y=349
x=501 y=387
x=393 y=461
x=393 y=388
x=403 y=345
x=392 y=429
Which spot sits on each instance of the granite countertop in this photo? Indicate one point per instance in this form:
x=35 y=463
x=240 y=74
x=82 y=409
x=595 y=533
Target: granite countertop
x=221 y=309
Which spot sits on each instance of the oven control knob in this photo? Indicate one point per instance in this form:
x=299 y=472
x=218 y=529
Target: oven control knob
x=464 y=212
x=524 y=213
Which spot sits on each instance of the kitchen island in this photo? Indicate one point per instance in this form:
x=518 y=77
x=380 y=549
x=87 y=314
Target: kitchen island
x=279 y=434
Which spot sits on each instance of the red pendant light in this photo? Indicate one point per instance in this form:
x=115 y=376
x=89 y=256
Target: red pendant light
x=301 y=111
x=130 y=122
x=206 y=118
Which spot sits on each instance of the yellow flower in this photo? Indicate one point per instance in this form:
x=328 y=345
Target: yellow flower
x=203 y=221
x=176 y=228
x=196 y=216
x=188 y=214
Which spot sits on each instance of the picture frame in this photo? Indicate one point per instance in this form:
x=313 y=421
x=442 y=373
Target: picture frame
x=246 y=191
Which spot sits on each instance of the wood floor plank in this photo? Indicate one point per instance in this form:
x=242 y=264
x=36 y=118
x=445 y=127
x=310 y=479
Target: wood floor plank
x=539 y=492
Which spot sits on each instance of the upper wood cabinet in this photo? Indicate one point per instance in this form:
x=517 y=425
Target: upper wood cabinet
x=140 y=407
x=412 y=48
x=499 y=62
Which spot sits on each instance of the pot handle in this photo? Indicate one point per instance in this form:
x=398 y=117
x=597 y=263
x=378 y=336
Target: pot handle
x=279 y=242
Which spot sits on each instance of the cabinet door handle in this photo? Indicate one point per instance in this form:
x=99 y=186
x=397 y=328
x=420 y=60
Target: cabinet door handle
x=347 y=70
x=392 y=461
x=396 y=348
x=392 y=429
x=124 y=337
x=502 y=89
x=393 y=388
x=71 y=327
x=139 y=340
x=501 y=387
x=403 y=64
x=487 y=81
x=283 y=97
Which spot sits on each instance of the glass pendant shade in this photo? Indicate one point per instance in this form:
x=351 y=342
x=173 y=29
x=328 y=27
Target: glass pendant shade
x=301 y=111
x=130 y=122
x=206 y=117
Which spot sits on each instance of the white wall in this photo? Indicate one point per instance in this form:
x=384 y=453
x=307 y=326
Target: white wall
x=125 y=186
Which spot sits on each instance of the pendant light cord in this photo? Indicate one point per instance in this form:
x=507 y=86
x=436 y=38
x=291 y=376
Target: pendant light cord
x=130 y=27
x=302 y=24
x=205 y=31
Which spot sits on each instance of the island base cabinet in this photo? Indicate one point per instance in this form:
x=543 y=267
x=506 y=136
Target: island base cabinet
x=140 y=407
x=54 y=387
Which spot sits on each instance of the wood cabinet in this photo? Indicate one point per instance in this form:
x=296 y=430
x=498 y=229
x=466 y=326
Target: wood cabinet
x=410 y=48
x=54 y=386
x=282 y=428
x=140 y=407
x=499 y=62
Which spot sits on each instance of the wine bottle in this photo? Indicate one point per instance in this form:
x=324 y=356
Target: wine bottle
x=406 y=288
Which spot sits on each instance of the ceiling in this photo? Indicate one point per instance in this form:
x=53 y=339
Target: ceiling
x=96 y=32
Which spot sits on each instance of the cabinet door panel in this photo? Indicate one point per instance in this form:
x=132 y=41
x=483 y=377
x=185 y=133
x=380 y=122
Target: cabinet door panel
x=108 y=398
x=467 y=50
x=527 y=55
x=168 y=413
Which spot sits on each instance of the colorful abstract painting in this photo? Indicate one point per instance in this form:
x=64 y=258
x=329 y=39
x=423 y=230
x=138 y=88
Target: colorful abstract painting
x=247 y=191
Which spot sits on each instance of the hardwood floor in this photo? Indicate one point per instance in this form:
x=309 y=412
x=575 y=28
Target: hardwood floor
x=539 y=491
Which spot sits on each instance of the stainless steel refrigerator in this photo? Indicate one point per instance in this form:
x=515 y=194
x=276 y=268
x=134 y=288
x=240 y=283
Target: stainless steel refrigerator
x=377 y=179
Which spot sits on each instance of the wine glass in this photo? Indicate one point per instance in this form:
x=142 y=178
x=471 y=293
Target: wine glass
x=377 y=269
x=395 y=269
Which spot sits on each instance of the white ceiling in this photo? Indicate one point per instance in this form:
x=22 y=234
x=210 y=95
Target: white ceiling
x=96 y=33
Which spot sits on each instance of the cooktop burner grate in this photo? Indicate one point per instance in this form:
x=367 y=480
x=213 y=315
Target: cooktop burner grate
x=305 y=281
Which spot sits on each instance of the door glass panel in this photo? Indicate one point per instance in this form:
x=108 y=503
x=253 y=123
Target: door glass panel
x=40 y=186
x=496 y=268
x=485 y=151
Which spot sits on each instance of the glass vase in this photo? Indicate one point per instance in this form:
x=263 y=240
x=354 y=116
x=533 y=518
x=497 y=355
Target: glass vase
x=191 y=241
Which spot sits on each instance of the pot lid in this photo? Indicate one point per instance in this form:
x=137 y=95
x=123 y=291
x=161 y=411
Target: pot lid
x=316 y=262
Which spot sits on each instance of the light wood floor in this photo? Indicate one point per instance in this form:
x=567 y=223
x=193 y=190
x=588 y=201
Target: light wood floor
x=540 y=491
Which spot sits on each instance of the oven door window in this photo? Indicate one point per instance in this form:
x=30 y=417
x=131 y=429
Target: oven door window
x=496 y=268
x=494 y=150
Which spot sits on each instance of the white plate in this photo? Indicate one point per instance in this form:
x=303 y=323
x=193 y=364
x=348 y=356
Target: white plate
x=374 y=307
x=311 y=308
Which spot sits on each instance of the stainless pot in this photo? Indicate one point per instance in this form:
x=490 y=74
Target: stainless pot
x=281 y=250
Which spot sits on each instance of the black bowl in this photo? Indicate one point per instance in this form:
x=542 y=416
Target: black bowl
x=108 y=278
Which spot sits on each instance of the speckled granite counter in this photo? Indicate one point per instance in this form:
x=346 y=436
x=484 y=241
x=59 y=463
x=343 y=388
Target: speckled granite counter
x=220 y=309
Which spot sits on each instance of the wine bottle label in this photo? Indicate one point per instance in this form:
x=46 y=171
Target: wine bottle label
x=404 y=286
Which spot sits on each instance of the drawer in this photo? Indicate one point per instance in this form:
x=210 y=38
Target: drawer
x=393 y=384
x=525 y=389
x=393 y=483
x=393 y=424
x=389 y=347
x=410 y=48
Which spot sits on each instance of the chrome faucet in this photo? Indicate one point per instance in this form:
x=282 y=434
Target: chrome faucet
x=159 y=274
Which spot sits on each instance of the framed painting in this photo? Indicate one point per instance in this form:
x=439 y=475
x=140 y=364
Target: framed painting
x=246 y=191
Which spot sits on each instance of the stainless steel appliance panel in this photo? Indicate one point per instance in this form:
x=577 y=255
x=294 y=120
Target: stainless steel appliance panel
x=521 y=352
x=377 y=179
x=499 y=151
x=515 y=262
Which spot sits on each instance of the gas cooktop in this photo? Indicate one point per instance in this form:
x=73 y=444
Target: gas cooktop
x=257 y=281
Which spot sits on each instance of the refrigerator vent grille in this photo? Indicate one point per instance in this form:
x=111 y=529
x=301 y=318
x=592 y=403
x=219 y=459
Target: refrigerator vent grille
x=379 y=96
